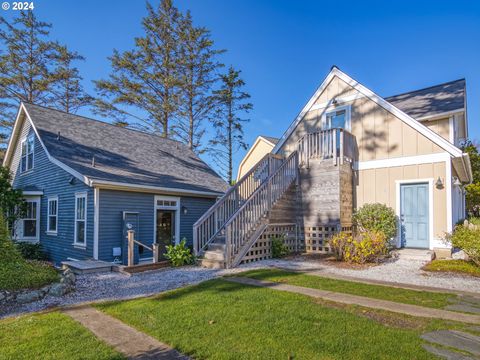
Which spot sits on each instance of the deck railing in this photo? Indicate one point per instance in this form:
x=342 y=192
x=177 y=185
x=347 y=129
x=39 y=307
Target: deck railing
x=336 y=144
x=213 y=221
x=240 y=228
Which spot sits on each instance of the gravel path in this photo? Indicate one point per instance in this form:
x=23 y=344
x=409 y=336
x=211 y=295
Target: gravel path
x=116 y=286
x=399 y=270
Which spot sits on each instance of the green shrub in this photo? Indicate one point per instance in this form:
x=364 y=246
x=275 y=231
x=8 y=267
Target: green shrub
x=368 y=247
x=376 y=217
x=467 y=239
x=473 y=220
x=180 y=254
x=17 y=273
x=278 y=247
x=339 y=243
x=31 y=251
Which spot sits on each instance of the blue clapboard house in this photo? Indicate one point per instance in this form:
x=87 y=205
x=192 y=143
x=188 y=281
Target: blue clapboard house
x=86 y=181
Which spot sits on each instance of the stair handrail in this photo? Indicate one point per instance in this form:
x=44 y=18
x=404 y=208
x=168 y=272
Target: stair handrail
x=211 y=223
x=259 y=207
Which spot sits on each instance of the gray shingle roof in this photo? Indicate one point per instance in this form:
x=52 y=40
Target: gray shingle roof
x=431 y=101
x=122 y=155
x=273 y=140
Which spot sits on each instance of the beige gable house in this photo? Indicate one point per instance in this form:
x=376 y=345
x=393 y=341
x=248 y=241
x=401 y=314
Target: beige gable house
x=262 y=146
x=348 y=147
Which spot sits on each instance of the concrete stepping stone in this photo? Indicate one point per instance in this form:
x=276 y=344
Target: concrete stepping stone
x=455 y=339
x=463 y=307
x=125 y=339
x=446 y=354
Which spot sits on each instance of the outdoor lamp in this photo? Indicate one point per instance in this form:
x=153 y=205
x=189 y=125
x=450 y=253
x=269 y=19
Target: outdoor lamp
x=456 y=181
x=439 y=183
x=184 y=210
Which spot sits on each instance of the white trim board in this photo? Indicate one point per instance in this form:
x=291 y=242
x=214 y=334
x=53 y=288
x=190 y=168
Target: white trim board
x=402 y=161
x=96 y=219
x=430 y=207
x=430 y=134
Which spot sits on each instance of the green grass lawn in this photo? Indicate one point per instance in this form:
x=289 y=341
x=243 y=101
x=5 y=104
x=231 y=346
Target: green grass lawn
x=222 y=320
x=421 y=298
x=50 y=336
x=457 y=266
x=24 y=274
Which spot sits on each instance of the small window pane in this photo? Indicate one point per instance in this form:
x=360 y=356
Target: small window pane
x=24 y=164
x=52 y=223
x=30 y=161
x=81 y=232
x=29 y=228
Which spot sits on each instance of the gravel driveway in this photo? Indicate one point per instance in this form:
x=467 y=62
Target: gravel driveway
x=115 y=286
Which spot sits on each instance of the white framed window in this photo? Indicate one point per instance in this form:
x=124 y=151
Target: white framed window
x=52 y=215
x=28 y=227
x=338 y=117
x=28 y=145
x=80 y=232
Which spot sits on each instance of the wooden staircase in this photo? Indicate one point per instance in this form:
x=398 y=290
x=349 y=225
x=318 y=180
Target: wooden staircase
x=228 y=230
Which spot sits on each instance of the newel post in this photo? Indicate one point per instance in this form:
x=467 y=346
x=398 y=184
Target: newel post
x=131 y=247
x=155 y=248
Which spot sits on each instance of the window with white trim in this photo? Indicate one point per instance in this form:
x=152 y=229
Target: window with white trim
x=30 y=220
x=80 y=219
x=27 y=153
x=52 y=221
x=337 y=118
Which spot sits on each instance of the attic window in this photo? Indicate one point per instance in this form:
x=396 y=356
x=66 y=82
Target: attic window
x=27 y=153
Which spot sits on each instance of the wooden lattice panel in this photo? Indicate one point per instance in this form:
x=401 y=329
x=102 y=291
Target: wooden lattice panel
x=316 y=238
x=262 y=249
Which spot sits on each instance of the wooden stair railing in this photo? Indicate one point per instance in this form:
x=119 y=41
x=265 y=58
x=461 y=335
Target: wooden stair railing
x=336 y=144
x=243 y=229
x=212 y=223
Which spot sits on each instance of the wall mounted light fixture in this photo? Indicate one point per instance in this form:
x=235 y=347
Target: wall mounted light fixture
x=439 y=183
x=184 y=210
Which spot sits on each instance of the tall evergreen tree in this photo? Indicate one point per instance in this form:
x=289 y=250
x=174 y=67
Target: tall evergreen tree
x=232 y=102
x=67 y=92
x=144 y=82
x=198 y=67
x=25 y=57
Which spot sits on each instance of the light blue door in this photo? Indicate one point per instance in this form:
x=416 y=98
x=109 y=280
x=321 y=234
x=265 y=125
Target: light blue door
x=414 y=215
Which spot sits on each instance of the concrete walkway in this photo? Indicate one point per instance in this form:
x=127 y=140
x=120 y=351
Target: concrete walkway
x=125 y=339
x=407 y=309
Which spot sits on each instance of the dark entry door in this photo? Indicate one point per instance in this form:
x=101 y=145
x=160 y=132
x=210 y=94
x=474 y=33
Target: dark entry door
x=165 y=229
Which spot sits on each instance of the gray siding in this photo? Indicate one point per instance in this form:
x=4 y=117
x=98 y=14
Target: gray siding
x=55 y=181
x=113 y=203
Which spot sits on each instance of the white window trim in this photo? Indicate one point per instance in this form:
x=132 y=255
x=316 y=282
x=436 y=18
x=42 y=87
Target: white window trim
x=75 y=243
x=398 y=183
x=331 y=109
x=49 y=231
x=35 y=238
x=25 y=140
x=177 y=215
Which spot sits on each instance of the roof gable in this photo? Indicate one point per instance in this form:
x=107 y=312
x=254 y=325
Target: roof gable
x=335 y=72
x=102 y=153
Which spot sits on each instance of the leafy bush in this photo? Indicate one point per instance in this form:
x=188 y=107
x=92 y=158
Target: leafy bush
x=17 y=273
x=369 y=246
x=339 y=243
x=474 y=221
x=31 y=251
x=180 y=254
x=376 y=217
x=467 y=239
x=278 y=247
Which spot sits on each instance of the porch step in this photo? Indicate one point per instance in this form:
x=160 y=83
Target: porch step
x=416 y=254
x=216 y=247
x=214 y=255
x=87 y=266
x=211 y=263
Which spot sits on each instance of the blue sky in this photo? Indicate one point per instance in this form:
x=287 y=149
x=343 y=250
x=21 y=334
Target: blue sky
x=286 y=48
